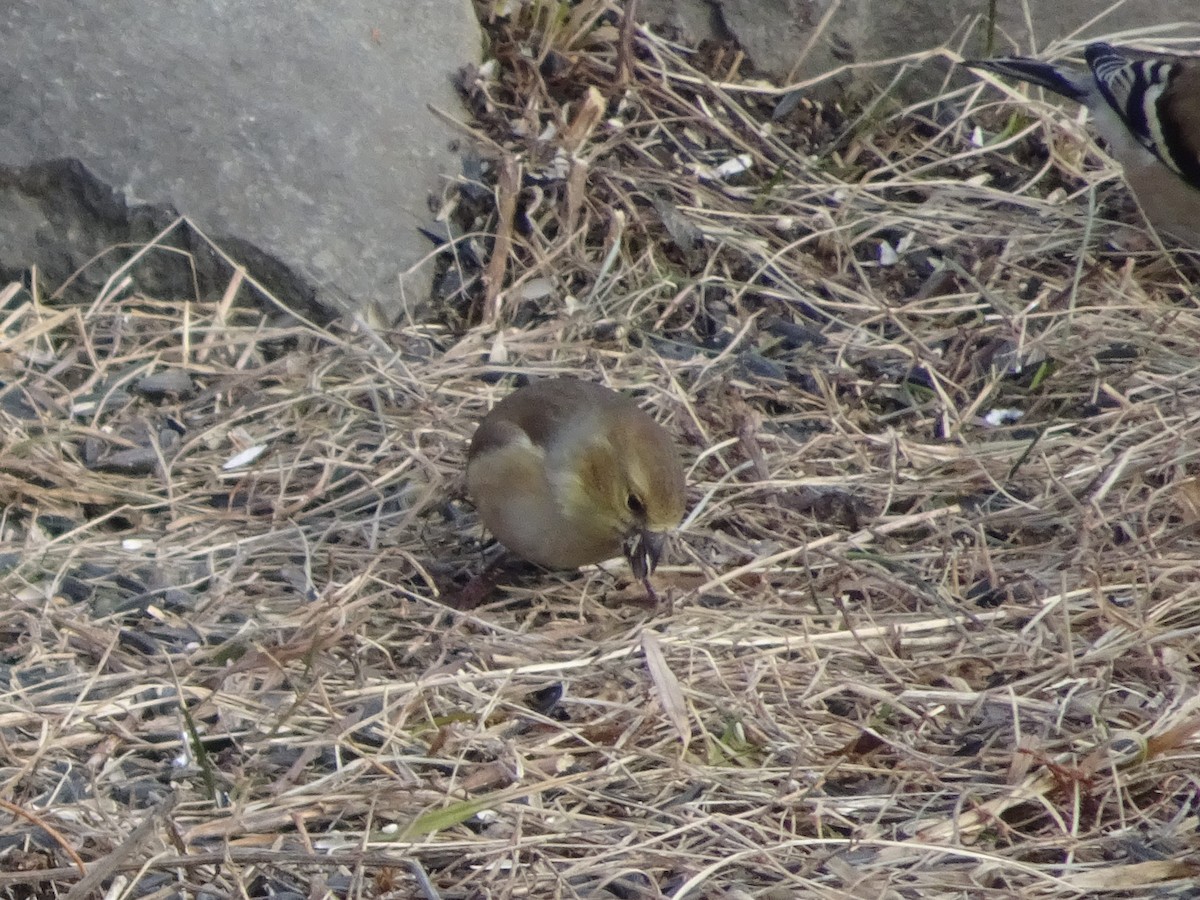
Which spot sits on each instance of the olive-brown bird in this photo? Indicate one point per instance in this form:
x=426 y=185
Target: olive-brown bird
x=1147 y=109
x=566 y=473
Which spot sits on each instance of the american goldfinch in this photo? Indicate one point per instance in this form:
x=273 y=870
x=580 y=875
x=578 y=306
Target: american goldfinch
x=566 y=473
x=1147 y=109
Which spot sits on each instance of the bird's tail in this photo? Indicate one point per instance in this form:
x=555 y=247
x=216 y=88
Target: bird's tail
x=1071 y=84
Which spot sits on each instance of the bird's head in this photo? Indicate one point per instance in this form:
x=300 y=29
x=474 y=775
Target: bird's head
x=625 y=479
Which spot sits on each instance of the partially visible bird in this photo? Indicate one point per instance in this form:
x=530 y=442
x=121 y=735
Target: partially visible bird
x=1147 y=109
x=566 y=473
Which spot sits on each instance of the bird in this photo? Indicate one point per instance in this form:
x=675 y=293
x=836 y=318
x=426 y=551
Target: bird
x=566 y=473
x=1146 y=107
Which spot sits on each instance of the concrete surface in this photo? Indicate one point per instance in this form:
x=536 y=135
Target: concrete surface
x=296 y=132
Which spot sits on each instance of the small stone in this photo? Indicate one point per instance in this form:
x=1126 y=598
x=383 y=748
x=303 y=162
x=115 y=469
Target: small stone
x=169 y=381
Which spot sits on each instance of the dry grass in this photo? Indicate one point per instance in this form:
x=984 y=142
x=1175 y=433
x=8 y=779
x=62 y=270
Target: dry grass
x=912 y=653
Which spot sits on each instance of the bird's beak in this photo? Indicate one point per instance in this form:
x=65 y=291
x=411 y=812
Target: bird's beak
x=644 y=548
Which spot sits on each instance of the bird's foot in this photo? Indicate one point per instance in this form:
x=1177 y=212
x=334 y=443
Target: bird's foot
x=472 y=594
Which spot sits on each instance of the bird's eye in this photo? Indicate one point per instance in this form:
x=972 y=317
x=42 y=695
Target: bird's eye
x=634 y=502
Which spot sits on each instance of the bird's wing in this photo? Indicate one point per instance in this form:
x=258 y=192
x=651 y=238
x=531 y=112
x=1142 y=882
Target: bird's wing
x=1146 y=107
x=1142 y=99
x=1179 y=112
x=542 y=409
x=1157 y=98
